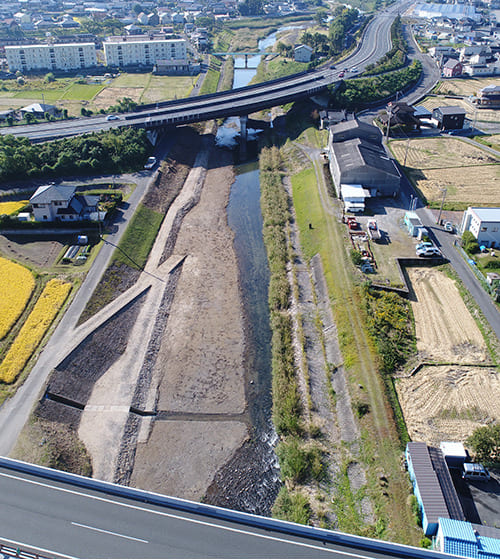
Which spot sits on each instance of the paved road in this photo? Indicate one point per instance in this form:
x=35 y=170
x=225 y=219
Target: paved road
x=15 y=411
x=83 y=523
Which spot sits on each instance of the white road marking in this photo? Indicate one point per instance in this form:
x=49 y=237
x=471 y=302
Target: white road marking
x=183 y=518
x=24 y=546
x=108 y=532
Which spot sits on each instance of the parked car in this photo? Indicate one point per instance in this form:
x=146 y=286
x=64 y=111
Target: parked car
x=150 y=163
x=429 y=252
x=112 y=118
x=424 y=245
x=475 y=471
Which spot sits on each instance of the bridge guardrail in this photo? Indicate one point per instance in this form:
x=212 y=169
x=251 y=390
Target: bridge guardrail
x=322 y=535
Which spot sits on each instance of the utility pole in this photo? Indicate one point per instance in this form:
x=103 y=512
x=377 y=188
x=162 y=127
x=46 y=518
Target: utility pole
x=445 y=190
x=406 y=151
x=389 y=114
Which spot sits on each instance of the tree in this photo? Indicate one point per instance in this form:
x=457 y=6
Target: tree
x=251 y=8
x=137 y=9
x=50 y=77
x=320 y=16
x=485 y=443
x=469 y=243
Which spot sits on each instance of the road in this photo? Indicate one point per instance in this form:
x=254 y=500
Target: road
x=67 y=520
x=15 y=411
x=242 y=101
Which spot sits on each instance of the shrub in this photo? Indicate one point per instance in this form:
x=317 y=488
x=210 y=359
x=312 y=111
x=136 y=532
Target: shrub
x=485 y=443
x=356 y=257
x=16 y=286
x=34 y=329
x=293 y=507
x=298 y=463
x=469 y=243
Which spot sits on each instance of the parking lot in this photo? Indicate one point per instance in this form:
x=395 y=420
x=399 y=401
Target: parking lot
x=480 y=500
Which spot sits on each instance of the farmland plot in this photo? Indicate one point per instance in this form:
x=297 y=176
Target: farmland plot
x=447 y=401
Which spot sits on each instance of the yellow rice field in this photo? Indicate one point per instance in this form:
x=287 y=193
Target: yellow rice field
x=32 y=332
x=11 y=207
x=16 y=287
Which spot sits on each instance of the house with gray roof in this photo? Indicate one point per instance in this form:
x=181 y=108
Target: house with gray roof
x=52 y=203
x=357 y=157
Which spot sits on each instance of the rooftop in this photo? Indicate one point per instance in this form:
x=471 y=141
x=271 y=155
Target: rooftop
x=486 y=214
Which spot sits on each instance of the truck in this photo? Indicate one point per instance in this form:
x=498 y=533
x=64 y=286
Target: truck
x=373 y=231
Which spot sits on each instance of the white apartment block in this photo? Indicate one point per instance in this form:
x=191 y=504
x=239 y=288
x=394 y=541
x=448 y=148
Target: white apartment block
x=67 y=56
x=132 y=51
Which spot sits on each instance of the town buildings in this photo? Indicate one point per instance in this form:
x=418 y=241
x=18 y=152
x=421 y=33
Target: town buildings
x=139 y=51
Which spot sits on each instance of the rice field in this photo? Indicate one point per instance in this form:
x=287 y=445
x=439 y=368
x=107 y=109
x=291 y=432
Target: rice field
x=32 y=332
x=469 y=174
x=16 y=286
x=9 y=208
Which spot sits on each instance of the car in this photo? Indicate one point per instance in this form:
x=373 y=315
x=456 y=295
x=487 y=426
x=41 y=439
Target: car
x=342 y=74
x=354 y=69
x=448 y=226
x=424 y=245
x=332 y=66
x=429 y=252
x=150 y=163
x=475 y=471
x=112 y=118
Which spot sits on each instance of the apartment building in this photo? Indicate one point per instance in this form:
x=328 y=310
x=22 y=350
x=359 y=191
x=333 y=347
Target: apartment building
x=136 y=51
x=66 y=56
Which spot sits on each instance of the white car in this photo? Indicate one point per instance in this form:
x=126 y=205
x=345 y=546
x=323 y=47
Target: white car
x=112 y=118
x=429 y=252
x=150 y=163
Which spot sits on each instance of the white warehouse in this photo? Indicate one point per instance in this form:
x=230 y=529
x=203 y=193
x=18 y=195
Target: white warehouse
x=136 y=51
x=484 y=224
x=63 y=56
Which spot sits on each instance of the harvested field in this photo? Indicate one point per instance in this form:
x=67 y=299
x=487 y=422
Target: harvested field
x=447 y=403
x=109 y=96
x=440 y=153
x=34 y=251
x=436 y=163
x=465 y=86
x=461 y=185
x=445 y=329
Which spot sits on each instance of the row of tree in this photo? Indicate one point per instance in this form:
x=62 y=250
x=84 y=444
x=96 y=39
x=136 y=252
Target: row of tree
x=355 y=93
x=110 y=151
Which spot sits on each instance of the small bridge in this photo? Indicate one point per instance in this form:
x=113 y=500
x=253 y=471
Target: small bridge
x=245 y=54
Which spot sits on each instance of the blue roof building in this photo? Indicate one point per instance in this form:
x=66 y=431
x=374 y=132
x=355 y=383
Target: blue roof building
x=461 y=538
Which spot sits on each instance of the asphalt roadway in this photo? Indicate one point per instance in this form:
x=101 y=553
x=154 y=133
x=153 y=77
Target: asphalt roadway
x=64 y=520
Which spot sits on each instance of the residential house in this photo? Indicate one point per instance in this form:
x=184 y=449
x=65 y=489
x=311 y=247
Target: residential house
x=452 y=68
x=39 y=110
x=302 y=53
x=52 y=203
x=449 y=118
x=399 y=114
x=357 y=157
x=484 y=224
x=467 y=540
x=489 y=97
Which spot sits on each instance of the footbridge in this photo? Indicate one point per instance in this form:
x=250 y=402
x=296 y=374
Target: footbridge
x=56 y=514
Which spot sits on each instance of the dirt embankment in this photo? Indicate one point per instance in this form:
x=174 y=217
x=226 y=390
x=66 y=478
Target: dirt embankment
x=177 y=353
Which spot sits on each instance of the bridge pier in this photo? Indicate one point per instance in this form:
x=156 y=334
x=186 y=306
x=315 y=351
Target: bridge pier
x=246 y=60
x=243 y=137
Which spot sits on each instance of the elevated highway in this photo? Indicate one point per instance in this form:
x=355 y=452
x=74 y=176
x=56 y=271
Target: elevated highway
x=63 y=515
x=375 y=43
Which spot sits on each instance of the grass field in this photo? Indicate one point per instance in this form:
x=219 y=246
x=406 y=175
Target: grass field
x=433 y=164
x=377 y=428
x=68 y=93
